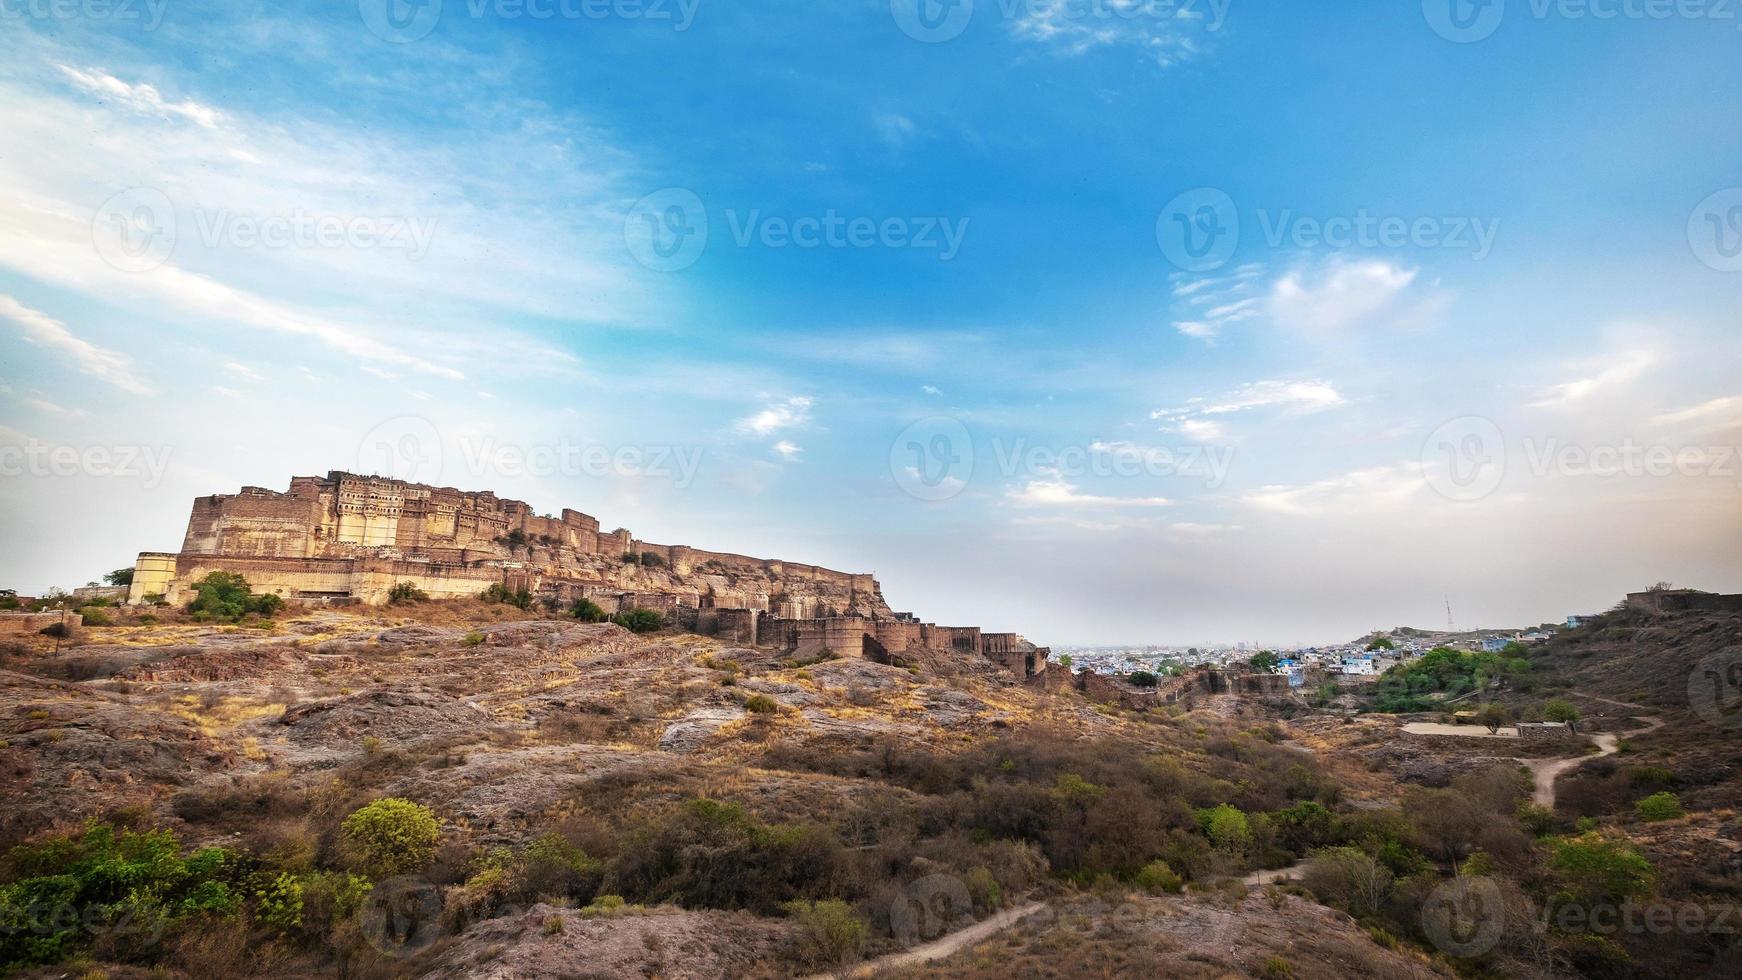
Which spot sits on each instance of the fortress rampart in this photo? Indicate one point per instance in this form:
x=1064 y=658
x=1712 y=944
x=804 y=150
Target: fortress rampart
x=346 y=538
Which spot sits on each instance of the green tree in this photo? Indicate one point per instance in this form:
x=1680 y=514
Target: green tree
x=639 y=620
x=1381 y=643
x=1143 y=678
x=1065 y=661
x=1264 y=660
x=1560 y=710
x=1226 y=827
x=392 y=836
x=120 y=576
x=224 y=597
x=1492 y=716
x=588 y=611
x=403 y=592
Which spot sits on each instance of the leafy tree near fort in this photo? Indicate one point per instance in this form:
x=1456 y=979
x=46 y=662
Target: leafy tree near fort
x=120 y=576
x=518 y=598
x=224 y=597
x=588 y=611
x=1492 y=716
x=1143 y=678
x=1382 y=643
x=1264 y=660
x=639 y=620
x=403 y=592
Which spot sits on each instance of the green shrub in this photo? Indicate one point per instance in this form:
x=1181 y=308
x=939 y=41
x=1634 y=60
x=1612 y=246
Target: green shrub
x=392 y=836
x=278 y=902
x=136 y=881
x=1277 y=968
x=639 y=620
x=518 y=598
x=1660 y=806
x=1157 y=878
x=827 y=932
x=95 y=616
x=1596 y=868
x=473 y=639
x=761 y=704
x=1226 y=827
x=983 y=889
x=403 y=592
x=1143 y=678
x=588 y=611
x=224 y=597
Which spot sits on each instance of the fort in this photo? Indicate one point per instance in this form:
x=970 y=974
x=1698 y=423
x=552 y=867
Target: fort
x=350 y=539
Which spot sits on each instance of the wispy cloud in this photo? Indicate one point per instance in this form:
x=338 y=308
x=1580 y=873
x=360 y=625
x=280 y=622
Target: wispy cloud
x=1615 y=371
x=109 y=366
x=1344 y=294
x=1054 y=490
x=1356 y=492
x=791 y=413
x=1725 y=413
x=1200 y=418
x=1166 y=33
x=141 y=97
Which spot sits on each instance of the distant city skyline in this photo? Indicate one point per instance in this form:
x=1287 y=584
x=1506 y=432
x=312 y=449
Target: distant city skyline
x=1104 y=325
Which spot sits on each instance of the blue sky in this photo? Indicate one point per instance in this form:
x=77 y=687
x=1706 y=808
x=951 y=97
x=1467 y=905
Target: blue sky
x=1476 y=337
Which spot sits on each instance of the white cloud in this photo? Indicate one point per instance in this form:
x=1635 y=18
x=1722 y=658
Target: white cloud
x=1202 y=430
x=1615 y=371
x=894 y=128
x=35 y=400
x=141 y=97
x=107 y=365
x=1342 y=295
x=787 y=450
x=788 y=414
x=1361 y=491
x=931 y=390
x=1726 y=412
x=1163 y=32
x=1053 y=490
x=243 y=371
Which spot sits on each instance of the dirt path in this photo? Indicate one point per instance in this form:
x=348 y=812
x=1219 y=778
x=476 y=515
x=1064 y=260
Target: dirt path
x=1547 y=771
x=1260 y=878
x=938 y=948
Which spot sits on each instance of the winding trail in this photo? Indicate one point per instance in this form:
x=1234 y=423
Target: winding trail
x=1546 y=771
x=938 y=948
